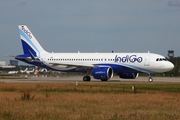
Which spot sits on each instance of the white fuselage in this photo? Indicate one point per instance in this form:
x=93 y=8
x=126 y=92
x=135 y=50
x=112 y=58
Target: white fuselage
x=142 y=62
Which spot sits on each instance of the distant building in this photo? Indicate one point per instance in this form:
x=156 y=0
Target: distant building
x=2 y=63
x=4 y=66
x=14 y=62
x=170 y=53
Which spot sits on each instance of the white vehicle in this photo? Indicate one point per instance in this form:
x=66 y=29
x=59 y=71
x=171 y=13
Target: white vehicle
x=101 y=66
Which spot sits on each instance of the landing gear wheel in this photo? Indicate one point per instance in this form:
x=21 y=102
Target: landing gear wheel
x=150 y=79
x=86 y=78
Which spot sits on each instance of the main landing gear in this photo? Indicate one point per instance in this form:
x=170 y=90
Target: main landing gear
x=150 y=78
x=87 y=78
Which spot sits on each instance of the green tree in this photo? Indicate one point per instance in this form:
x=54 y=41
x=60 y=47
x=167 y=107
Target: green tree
x=176 y=70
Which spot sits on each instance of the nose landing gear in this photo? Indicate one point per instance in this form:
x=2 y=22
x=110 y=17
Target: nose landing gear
x=150 y=79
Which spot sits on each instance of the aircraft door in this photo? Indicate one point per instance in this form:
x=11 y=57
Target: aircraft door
x=147 y=60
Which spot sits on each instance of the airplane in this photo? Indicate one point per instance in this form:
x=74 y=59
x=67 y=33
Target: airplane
x=102 y=66
x=23 y=71
x=12 y=72
x=30 y=71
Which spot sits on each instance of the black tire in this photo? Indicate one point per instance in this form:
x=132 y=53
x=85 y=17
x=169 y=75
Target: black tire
x=86 y=78
x=150 y=79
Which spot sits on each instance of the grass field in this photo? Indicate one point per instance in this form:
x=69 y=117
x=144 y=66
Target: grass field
x=90 y=101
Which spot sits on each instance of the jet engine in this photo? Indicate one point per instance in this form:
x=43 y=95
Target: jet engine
x=103 y=73
x=128 y=75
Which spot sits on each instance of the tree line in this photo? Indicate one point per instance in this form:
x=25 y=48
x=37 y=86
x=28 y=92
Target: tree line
x=176 y=70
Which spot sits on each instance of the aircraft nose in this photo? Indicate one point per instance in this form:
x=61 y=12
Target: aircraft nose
x=170 y=66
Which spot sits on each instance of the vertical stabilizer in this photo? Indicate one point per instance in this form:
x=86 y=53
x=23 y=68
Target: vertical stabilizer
x=29 y=43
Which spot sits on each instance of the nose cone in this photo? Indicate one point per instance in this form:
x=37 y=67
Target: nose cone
x=169 y=66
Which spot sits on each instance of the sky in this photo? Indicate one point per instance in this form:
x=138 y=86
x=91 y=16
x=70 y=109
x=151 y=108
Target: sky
x=92 y=25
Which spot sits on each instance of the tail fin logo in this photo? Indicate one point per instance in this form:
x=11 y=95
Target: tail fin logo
x=26 y=32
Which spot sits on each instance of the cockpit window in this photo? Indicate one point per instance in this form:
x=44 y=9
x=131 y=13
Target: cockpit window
x=161 y=59
x=164 y=59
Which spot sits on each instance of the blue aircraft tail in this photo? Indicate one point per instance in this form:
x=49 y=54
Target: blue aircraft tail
x=30 y=44
x=31 y=47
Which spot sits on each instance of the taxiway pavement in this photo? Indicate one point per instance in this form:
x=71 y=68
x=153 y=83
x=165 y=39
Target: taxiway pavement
x=79 y=79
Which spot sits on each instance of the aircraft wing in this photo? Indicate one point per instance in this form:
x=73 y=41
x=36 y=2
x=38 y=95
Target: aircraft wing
x=79 y=65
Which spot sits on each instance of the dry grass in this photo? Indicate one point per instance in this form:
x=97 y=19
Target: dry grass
x=87 y=101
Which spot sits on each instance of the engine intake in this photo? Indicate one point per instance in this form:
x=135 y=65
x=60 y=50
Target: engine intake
x=103 y=73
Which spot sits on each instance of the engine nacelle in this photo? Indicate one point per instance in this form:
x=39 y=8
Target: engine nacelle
x=128 y=75
x=103 y=73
